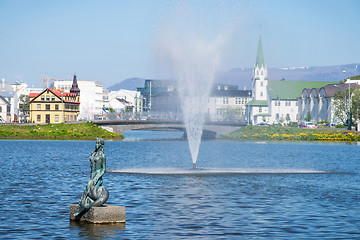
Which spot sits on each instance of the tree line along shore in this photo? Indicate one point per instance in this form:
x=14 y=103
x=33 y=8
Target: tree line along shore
x=61 y=131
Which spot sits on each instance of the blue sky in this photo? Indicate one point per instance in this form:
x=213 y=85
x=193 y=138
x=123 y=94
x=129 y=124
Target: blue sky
x=110 y=41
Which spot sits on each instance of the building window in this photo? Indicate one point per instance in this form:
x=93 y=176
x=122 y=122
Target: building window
x=47 y=107
x=42 y=98
x=0 y=109
x=56 y=118
x=53 y=98
x=39 y=107
x=56 y=106
x=261 y=83
x=47 y=98
x=261 y=94
x=38 y=118
x=260 y=109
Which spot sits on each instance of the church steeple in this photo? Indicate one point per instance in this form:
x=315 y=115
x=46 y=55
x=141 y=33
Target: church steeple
x=75 y=87
x=260 y=56
x=260 y=75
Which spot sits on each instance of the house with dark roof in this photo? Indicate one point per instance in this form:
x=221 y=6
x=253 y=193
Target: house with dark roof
x=320 y=102
x=53 y=106
x=4 y=110
x=228 y=105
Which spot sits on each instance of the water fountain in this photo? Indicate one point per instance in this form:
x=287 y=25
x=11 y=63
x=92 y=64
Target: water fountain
x=193 y=62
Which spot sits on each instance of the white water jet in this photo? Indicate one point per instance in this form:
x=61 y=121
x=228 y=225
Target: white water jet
x=194 y=63
x=190 y=52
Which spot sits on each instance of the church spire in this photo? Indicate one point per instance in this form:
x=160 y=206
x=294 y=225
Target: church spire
x=260 y=75
x=75 y=87
x=260 y=57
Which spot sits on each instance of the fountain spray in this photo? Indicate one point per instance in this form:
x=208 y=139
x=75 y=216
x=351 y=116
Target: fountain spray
x=193 y=61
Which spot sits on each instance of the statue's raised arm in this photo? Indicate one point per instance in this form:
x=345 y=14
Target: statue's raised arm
x=95 y=194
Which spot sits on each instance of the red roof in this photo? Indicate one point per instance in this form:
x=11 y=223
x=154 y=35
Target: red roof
x=34 y=94
x=56 y=92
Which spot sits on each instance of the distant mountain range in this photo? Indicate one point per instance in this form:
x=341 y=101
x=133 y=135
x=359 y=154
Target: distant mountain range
x=241 y=77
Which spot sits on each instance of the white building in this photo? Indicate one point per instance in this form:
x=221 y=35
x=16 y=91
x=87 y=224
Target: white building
x=11 y=92
x=258 y=107
x=275 y=101
x=320 y=102
x=91 y=97
x=228 y=105
x=125 y=102
x=4 y=110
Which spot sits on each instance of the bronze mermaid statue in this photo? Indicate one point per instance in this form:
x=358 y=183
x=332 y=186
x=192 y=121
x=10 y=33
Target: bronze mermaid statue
x=95 y=195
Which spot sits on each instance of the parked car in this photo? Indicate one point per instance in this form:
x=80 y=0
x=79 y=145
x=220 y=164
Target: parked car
x=329 y=125
x=307 y=125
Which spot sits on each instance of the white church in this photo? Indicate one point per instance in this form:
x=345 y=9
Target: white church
x=275 y=101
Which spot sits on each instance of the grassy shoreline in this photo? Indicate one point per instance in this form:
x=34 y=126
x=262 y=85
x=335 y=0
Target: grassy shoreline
x=61 y=131
x=275 y=133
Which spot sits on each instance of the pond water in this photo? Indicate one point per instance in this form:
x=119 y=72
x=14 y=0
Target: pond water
x=246 y=190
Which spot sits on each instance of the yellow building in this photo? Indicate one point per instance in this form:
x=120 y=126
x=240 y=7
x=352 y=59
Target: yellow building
x=53 y=106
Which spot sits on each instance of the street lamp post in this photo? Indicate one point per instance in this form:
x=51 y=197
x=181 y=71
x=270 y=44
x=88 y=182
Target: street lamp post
x=349 y=108
x=249 y=109
x=349 y=115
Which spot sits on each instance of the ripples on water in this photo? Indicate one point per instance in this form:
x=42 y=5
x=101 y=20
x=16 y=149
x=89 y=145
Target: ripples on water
x=42 y=178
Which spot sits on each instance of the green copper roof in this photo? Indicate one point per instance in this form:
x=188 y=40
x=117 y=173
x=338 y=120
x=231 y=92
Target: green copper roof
x=291 y=89
x=260 y=56
x=262 y=103
x=263 y=115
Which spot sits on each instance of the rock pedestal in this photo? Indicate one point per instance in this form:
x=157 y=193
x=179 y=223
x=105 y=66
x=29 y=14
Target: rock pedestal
x=103 y=214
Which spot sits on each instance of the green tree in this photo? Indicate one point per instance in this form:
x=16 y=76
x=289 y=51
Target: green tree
x=287 y=117
x=355 y=103
x=339 y=106
x=24 y=105
x=308 y=116
x=340 y=113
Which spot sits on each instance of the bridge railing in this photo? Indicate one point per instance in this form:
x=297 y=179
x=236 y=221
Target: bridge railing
x=151 y=121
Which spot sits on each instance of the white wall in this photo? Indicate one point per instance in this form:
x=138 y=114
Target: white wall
x=133 y=97
x=91 y=97
x=282 y=108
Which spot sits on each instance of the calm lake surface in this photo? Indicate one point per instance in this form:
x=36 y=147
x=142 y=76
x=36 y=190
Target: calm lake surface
x=242 y=190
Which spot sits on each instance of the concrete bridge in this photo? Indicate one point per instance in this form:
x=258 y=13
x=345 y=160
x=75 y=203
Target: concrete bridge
x=211 y=129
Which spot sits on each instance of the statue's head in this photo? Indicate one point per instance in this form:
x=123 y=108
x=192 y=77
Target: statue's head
x=99 y=143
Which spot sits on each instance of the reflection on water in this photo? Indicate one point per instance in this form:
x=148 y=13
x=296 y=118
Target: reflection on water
x=136 y=135
x=215 y=171
x=277 y=191
x=96 y=231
